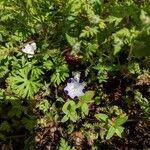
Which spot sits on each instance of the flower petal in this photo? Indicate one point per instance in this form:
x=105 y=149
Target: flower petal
x=33 y=46
x=75 y=89
x=30 y=56
x=29 y=48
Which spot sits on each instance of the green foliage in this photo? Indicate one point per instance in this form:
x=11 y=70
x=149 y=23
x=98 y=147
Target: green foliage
x=69 y=109
x=44 y=106
x=121 y=38
x=4 y=126
x=103 y=70
x=52 y=63
x=108 y=41
x=102 y=117
x=141 y=45
x=22 y=83
x=113 y=125
x=64 y=145
x=90 y=49
x=59 y=75
x=71 y=40
x=89 y=32
x=29 y=123
x=134 y=68
x=143 y=102
x=84 y=102
x=17 y=108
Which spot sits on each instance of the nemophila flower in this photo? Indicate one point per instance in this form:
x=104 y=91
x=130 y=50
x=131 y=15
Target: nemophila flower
x=29 y=49
x=75 y=87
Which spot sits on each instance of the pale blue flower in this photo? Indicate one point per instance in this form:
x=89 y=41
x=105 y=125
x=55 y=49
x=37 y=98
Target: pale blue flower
x=74 y=88
x=29 y=49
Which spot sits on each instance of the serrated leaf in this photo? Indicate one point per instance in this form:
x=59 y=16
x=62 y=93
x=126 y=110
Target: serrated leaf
x=23 y=84
x=29 y=123
x=64 y=145
x=89 y=32
x=71 y=40
x=112 y=19
x=48 y=64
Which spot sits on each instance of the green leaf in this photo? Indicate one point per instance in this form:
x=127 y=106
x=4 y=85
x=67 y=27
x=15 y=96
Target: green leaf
x=73 y=117
x=64 y=119
x=5 y=126
x=110 y=132
x=90 y=49
x=88 y=96
x=60 y=74
x=119 y=131
x=84 y=101
x=89 y=32
x=143 y=101
x=23 y=84
x=64 y=145
x=101 y=116
x=29 y=3
x=112 y=19
x=69 y=106
x=44 y=106
x=120 y=120
x=48 y=65
x=141 y=46
x=71 y=40
x=29 y=123
x=103 y=133
x=85 y=109
x=117 y=49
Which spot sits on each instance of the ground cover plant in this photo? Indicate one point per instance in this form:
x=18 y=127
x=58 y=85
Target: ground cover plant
x=74 y=74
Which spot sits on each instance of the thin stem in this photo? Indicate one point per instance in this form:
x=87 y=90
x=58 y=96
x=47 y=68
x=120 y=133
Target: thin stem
x=130 y=55
x=15 y=136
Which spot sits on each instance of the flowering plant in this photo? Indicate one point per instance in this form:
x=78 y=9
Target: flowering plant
x=74 y=87
x=108 y=41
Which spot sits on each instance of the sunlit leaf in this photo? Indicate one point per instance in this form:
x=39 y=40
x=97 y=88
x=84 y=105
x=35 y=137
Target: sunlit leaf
x=101 y=116
x=110 y=132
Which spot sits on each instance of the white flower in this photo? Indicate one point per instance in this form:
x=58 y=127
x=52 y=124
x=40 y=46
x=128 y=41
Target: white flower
x=74 y=88
x=29 y=49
